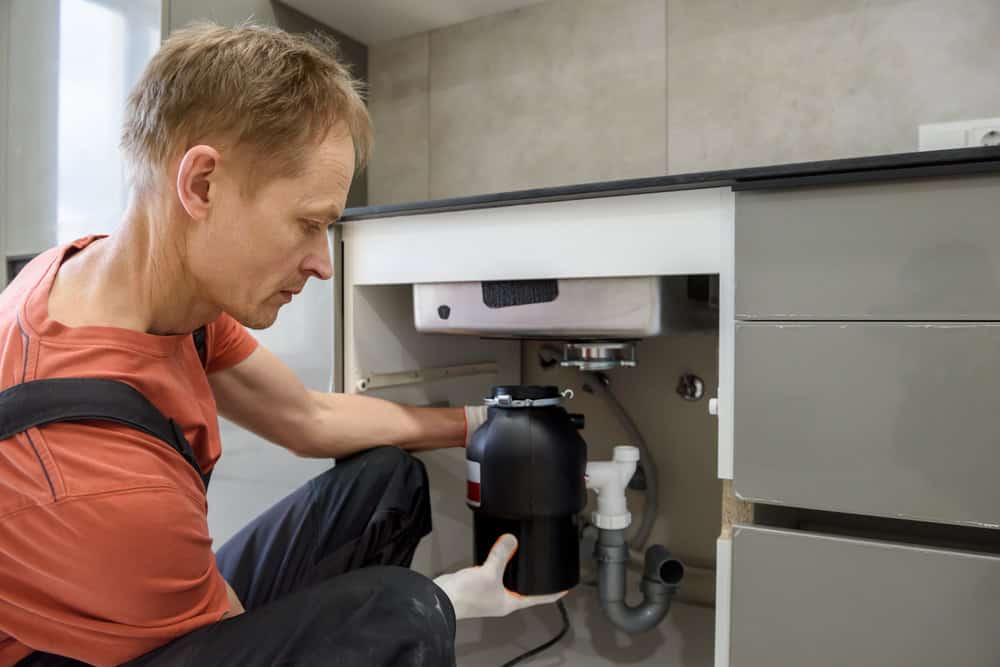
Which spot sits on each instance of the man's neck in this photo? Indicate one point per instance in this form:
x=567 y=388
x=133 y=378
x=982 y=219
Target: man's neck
x=135 y=279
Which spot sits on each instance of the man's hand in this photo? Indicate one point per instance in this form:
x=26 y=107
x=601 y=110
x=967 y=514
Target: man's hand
x=478 y=591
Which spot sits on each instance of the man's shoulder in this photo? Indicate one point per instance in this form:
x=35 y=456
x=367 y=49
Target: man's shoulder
x=30 y=275
x=13 y=296
x=20 y=303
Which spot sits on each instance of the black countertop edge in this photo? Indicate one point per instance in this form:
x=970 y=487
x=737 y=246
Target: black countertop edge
x=848 y=170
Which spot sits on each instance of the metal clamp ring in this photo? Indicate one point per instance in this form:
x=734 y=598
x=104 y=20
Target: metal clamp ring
x=505 y=401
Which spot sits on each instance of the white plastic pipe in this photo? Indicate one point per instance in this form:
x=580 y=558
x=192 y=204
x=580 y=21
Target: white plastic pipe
x=609 y=479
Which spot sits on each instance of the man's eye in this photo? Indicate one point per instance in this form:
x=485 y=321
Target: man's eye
x=312 y=225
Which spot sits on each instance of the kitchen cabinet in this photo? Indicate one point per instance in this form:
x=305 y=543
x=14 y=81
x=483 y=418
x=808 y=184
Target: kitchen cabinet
x=857 y=345
x=802 y=598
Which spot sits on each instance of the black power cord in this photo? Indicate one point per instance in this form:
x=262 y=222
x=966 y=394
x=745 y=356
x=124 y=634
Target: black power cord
x=542 y=647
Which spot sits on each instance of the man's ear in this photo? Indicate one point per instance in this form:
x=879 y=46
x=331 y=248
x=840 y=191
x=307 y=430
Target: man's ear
x=196 y=182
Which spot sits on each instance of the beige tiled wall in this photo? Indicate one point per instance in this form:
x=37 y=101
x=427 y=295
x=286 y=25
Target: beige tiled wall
x=563 y=92
x=548 y=96
x=399 y=101
x=773 y=81
x=570 y=91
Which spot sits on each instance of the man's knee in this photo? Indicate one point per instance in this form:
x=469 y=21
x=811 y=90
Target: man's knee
x=380 y=484
x=389 y=459
x=379 y=470
x=431 y=610
x=404 y=586
x=384 y=461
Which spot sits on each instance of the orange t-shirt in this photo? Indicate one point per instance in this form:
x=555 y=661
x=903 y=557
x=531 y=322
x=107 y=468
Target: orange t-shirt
x=104 y=545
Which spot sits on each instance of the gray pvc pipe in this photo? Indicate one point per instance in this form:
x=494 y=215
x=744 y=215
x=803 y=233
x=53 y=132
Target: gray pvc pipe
x=661 y=579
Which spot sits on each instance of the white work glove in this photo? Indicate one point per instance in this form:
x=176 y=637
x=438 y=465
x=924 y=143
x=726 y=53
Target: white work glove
x=475 y=416
x=478 y=591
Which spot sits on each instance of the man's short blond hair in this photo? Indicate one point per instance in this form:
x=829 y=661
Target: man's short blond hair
x=264 y=92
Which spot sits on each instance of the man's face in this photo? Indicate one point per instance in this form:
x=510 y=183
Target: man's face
x=256 y=252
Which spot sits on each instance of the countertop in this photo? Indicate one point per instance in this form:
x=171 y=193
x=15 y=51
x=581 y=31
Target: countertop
x=850 y=170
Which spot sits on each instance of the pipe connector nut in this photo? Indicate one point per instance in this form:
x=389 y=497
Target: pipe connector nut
x=611 y=522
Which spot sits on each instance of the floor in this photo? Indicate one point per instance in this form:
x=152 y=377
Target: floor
x=684 y=639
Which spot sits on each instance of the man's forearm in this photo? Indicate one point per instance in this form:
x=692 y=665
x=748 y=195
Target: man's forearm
x=343 y=424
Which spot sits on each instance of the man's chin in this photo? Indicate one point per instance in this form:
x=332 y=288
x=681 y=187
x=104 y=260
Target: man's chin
x=259 y=319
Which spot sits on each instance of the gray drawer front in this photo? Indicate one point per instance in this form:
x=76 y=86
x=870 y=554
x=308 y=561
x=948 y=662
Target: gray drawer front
x=896 y=420
x=916 y=250
x=816 y=601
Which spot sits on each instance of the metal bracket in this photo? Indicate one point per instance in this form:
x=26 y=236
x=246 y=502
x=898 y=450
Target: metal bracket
x=383 y=380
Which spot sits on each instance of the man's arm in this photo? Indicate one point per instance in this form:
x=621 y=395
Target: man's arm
x=235 y=606
x=263 y=395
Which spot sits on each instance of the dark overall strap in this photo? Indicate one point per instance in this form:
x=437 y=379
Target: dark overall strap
x=198 y=335
x=40 y=402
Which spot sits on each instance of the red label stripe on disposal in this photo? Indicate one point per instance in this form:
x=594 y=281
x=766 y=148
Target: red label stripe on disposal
x=473 y=489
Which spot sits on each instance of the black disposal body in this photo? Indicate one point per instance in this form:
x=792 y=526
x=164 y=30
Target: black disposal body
x=526 y=468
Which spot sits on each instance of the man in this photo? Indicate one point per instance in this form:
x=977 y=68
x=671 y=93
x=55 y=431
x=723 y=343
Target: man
x=243 y=144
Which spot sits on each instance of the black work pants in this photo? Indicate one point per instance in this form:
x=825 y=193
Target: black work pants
x=323 y=576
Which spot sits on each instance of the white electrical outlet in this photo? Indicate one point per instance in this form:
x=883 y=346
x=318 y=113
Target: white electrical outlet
x=960 y=134
x=988 y=135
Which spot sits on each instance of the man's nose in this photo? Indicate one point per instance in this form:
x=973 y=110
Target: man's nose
x=318 y=262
